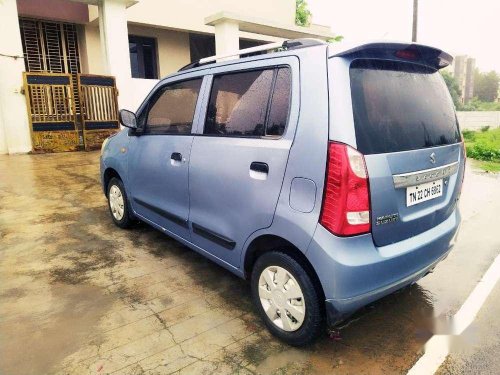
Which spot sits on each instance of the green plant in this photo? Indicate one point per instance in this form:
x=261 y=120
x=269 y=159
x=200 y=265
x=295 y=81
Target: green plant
x=469 y=135
x=453 y=88
x=485 y=128
x=337 y=38
x=486 y=85
x=483 y=151
x=477 y=105
x=302 y=13
x=483 y=145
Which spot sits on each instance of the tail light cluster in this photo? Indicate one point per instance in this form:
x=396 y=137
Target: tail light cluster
x=346 y=204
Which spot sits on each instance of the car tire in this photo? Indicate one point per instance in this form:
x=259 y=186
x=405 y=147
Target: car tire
x=289 y=328
x=118 y=204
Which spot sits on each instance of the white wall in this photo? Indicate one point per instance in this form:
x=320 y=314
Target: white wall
x=190 y=14
x=475 y=120
x=134 y=92
x=14 y=134
x=173 y=47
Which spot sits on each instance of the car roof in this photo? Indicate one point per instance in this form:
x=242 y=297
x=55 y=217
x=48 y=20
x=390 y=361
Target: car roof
x=434 y=57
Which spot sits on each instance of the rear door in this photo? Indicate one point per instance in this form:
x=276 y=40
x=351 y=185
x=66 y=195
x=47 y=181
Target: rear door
x=405 y=125
x=239 y=157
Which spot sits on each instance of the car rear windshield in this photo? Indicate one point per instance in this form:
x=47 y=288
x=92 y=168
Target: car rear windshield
x=400 y=107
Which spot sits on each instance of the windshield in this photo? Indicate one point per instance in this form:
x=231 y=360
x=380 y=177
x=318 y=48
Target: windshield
x=400 y=106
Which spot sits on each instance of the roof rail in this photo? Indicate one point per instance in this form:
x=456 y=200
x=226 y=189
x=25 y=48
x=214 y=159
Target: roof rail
x=286 y=45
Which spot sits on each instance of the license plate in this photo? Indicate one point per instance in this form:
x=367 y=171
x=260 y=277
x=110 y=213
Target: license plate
x=423 y=192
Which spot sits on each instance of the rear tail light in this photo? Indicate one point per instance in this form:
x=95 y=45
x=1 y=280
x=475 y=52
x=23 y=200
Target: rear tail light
x=346 y=204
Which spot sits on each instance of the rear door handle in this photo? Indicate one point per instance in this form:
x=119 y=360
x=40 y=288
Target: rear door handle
x=258 y=166
x=177 y=156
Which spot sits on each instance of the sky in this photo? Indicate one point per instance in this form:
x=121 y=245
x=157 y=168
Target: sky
x=459 y=27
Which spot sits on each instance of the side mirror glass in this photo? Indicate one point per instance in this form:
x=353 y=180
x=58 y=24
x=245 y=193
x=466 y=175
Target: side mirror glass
x=128 y=119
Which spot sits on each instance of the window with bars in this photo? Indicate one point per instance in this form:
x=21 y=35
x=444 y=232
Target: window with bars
x=51 y=47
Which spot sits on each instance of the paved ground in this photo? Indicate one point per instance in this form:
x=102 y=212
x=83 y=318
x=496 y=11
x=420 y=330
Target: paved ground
x=78 y=295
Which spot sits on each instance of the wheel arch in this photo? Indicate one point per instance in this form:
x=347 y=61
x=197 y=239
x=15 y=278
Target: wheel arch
x=268 y=242
x=109 y=173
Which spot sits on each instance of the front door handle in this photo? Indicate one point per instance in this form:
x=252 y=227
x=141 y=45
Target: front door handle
x=258 y=166
x=176 y=156
x=259 y=170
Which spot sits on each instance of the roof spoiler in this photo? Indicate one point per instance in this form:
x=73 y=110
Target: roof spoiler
x=413 y=52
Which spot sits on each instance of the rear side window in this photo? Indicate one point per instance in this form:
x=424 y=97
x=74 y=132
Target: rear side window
x=280 y=104
x=400 y=107
x=173 y=109
x=249 y=104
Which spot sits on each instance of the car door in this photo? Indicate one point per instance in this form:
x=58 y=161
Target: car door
x=159 y=156
x=239 y=157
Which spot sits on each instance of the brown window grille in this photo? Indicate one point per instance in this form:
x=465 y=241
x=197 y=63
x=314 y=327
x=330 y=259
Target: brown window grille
x=51 y=47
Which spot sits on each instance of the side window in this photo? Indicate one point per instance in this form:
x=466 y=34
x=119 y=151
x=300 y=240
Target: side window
x=238 y=103
x=173 y=109
x=280 y=104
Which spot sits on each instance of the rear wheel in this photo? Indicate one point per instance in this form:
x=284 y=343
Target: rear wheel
x=117 y=203
x=286 y=298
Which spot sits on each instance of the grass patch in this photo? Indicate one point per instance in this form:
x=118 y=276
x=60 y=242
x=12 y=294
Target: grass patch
x=488 y=166
x=484 y=146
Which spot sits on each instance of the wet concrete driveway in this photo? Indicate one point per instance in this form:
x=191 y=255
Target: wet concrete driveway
x=80 y=296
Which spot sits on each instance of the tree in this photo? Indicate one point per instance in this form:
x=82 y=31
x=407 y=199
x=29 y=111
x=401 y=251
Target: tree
x=486 y=85
x=302 y=13
x=337 y=38
x=453 y=88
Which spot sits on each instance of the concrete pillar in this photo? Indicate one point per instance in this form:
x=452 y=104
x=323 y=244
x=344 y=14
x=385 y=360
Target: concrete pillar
x=114 y=44
x=15 y=134
x=227 y=40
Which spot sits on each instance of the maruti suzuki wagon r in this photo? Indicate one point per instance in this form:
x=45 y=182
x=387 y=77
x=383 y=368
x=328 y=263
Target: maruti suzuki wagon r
x=329 y=176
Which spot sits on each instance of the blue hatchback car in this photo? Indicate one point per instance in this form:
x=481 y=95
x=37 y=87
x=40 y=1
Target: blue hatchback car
x=327 y=175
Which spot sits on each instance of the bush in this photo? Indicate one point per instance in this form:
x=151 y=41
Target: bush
x=483 y=145
x=485 y=128
x=469 y=135
x=483 y=151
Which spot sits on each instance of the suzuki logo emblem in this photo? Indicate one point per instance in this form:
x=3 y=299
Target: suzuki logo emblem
x=433 y=158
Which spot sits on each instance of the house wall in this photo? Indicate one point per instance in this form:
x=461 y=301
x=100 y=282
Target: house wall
x=172 y=52
x=191 y=14
x=54 y=10
x=172 y=46
x=90 y=50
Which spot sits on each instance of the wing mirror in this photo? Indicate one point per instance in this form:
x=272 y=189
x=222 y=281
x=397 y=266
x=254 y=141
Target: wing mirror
x=128 y=119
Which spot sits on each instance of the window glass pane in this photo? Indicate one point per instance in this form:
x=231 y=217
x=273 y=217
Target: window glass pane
x=280 y=104
x=134 y=60
x=201 y=46
x=238 y=104
x=148 y=52
x=400 y=107
x=143 y=57
x=173 y=111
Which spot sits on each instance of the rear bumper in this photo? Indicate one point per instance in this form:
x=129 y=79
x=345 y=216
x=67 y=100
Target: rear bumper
x=354 y=272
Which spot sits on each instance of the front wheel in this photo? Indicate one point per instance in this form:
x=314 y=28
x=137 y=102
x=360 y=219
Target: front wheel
x=287 y=299
x=117 y=203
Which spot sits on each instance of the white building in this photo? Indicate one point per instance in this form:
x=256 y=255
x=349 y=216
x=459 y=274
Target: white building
x=137 y=42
